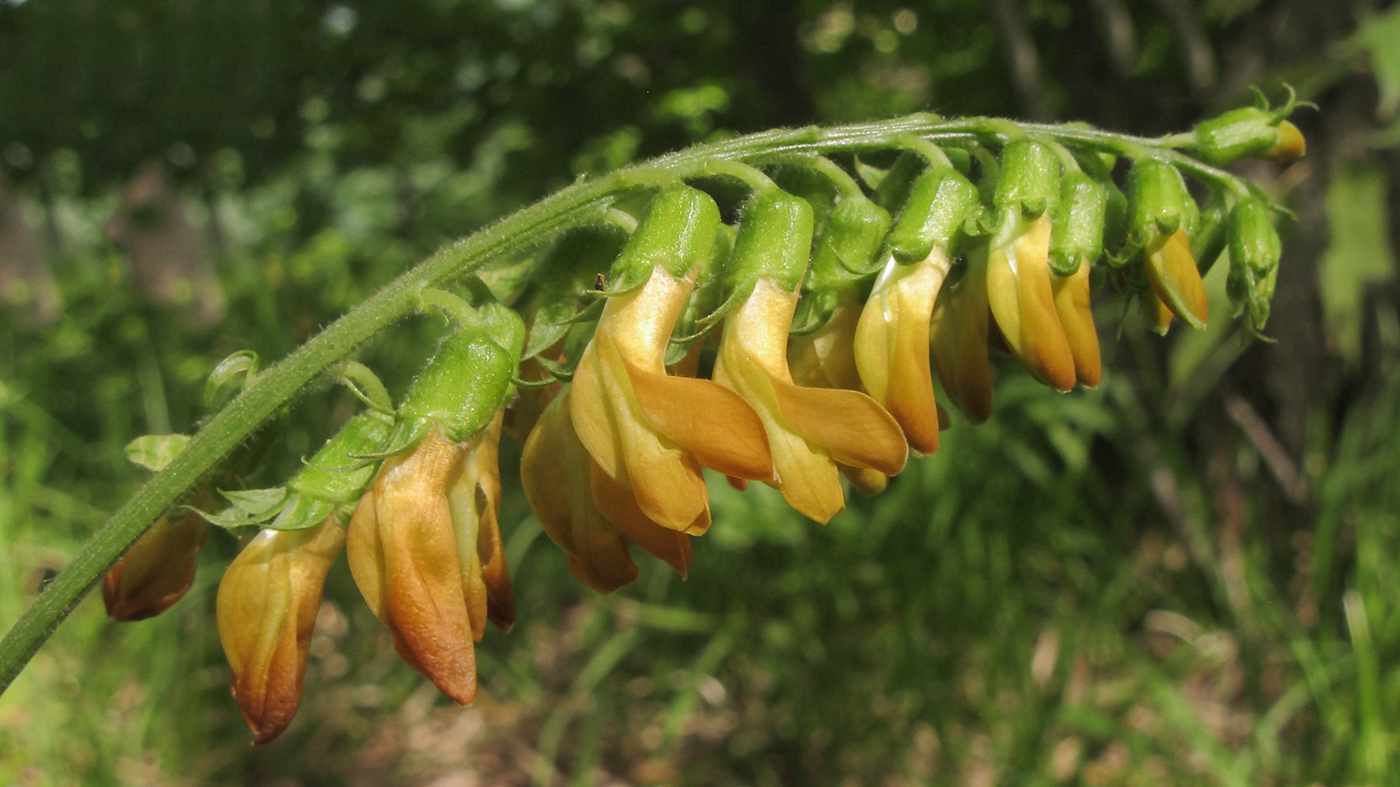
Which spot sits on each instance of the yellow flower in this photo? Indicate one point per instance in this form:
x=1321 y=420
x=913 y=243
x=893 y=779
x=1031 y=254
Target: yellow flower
x=1023 y=302
x=403 y=549
x=157 y=570
x=1176 y=281
x=958 y=338
x=809 y=429
x=1077 y=318
x=892 y=345
x=649 y=431
x=266 y=610
x=570 y=494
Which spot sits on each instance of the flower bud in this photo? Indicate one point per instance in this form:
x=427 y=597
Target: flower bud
x=1255 y=250
x=157 y=570
x=267 y=607
x=1030 y=179
x=941 y=205
x=1077 y=234
x=1250 y=132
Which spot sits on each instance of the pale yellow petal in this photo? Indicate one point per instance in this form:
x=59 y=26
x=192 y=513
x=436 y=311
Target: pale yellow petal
x=958 y=338
x=1172 y=270
x=620 y=507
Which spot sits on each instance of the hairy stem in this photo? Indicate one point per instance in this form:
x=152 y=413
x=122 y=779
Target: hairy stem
x=278 y=386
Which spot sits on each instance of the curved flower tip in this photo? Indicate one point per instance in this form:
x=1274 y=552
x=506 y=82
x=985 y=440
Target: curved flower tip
x=475 y=501
x=958 y=337
x=1158 y=313
x=1077 y=318
x=649 y=431
x=1175 y=279
x=809 y=430
x=1022 y=301
x=585 y=512
x=402 y=550
x=892 y=345
x=157 y=570
x=266 y=610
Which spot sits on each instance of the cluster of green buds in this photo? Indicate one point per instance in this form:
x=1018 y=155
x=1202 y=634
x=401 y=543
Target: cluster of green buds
x=794 y=345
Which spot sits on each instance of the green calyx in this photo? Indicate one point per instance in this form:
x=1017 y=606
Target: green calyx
x=466 y=381
x=1158 y=202
x=943 y=207
x=1077 y=232
x=1029 y=180
x=1255 y=250
x=568 y=271
x=677 y=233
x=774 y=242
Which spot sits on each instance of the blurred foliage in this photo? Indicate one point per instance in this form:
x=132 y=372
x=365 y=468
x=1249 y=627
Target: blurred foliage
x=1185 y=576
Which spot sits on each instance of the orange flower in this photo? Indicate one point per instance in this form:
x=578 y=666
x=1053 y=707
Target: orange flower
x=650 y=432
x=424 y=549
x=1171 y=268
x=892 y=345
x=589 y=515
x=809 y=429
x=157 y=570
x=266 y=610
x=1023 y=302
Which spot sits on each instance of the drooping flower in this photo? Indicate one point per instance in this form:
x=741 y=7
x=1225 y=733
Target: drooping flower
x=589 y=515
x=809 y=430
x=157 y=570
x=1023 y=302
x=270 y=594
x=267 y=607
x=649 y=431
x=423 y=543
x=1163 y=216
x=892 y=339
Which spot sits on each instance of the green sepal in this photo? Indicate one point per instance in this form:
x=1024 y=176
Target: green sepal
x=677 y=232
x=942 y=208
x=814 y=309
x=1029 y=180
x=248 y=507
x=707 y=296
x=774 y=242
x=1077 y=232
x=300 y=512
x=155 y=451
x=1158 y=202
x=340 y=471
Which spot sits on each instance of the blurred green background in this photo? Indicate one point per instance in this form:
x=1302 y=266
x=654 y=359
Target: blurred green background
x=1186 y=576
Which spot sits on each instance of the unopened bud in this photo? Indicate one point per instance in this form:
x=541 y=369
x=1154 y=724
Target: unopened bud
x=1251 y=132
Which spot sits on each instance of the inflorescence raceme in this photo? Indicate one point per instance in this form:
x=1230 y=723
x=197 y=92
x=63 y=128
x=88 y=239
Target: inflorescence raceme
x=794 y=347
